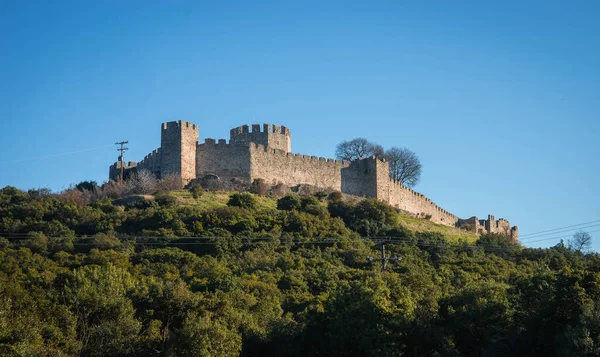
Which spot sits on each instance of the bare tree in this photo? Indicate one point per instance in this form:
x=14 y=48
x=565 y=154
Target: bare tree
x=141 y=182
x=170 y=182
x=405 y=166
x=358 y=148
x=581 y=241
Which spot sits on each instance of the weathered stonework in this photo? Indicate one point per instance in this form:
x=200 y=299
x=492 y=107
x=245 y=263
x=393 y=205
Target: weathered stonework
x=265 y=153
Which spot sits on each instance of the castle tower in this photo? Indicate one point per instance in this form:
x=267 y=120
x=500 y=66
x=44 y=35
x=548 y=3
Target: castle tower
x=273 y=136
x=178 y=141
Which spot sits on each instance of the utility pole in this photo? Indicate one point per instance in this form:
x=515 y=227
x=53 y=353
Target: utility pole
x=384 y=259
x=122 y=150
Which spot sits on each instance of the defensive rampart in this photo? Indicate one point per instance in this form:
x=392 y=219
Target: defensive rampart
x=227 y=161
x=151 y=162
x=278 y=166
x=264 y=152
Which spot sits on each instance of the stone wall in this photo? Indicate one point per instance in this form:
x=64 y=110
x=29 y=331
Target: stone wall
x=151 y=162
x=265 y=152
x=490 y=225
x=278 y=166
x=273 y=136
x=418 y=204
x=406 y=199
x=359 y=178
x=224 y=160
x=178 y=142
x=114 y=171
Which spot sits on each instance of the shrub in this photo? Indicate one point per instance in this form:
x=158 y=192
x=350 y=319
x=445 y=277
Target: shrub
x=321 y=195
x=310 y=200
x=289 y=203
x=280 y=190
x=243 y=200
x=259 y=186
x=196 y=190
x=316 y=210
x=335 y=196
x=165 y=200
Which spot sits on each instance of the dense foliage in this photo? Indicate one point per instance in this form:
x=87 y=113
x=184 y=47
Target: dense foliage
x=161 y=278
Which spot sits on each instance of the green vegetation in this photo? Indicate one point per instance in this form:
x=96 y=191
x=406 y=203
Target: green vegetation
x=425 y=225
x=179 y=276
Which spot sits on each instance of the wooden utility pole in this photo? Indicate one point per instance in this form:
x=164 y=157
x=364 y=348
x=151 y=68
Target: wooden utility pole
x=122 y=150
x=384 y=259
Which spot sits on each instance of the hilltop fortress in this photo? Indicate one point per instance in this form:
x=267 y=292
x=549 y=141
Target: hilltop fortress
x=264 y=152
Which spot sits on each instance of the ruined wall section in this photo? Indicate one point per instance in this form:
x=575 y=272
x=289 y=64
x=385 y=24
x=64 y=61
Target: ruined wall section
x=178 y=142
x=224 y=160
x=278 y=166
x=273 y=136
x=490 y=225
x=114 y=171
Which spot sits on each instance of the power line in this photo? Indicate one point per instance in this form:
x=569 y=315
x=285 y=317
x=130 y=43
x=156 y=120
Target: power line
x=568 y=236
x=555 y=229
x=558 y=232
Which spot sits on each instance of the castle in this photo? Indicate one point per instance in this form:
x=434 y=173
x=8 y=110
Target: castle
x=264 y=152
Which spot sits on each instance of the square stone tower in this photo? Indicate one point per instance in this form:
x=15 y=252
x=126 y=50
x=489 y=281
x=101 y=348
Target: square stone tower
x=178 y=141
x=273 y=136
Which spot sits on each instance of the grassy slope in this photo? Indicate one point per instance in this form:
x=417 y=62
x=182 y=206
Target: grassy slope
x=219 y=199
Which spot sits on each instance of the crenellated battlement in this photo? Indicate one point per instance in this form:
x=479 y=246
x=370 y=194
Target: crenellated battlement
x=263 y=151
x=259 y=148
x=260 y=128
x=178 y=124
x=271 y=135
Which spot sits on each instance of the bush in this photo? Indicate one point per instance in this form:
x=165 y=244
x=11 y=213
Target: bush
x=289 y=203
x=165 y=200
x=316 y=210
x=243 y=200
x=280 y=190
x=259 y=186
x=321 y=195
x=196 y=190
x=335 y=196
x=310 y=200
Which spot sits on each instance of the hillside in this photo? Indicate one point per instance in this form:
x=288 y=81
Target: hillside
x=229 y=274
x=219 y=199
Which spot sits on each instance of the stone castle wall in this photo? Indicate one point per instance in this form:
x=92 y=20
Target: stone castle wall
x=480 y=226
x=407 y=200
x=278 y=166
x=359 y=178
x=272 y=136
x=151 y=162
x=178 y=141
x=265 y=153
x=227 y=161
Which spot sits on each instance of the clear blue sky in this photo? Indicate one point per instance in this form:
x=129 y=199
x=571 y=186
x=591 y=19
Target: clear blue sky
x=500 y=101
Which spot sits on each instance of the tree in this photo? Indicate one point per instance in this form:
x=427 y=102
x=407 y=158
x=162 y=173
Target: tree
x=141 y=182
x=87 y=185
x=358 y=148
x=243 y=200
x=405 y=166
x=581 y=241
